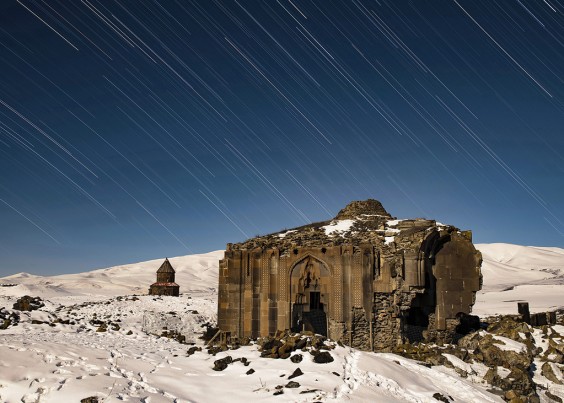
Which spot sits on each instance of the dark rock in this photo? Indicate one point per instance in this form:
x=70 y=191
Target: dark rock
x=214 y=350
x=336 y=373
x=548 y=372
x=292 y=385
x=27 y=303
x=323 y=358
x=300 y=344
x=210 y=332
x=91 y=399
x=8 y=318
x=296 y=373
x=296 y=358
x=441 y=398
x=271 y=345
x=468 y=323
x=553 y=397
x=278 y=392
x=192 y=350
x=221 y=364
x=250 y=371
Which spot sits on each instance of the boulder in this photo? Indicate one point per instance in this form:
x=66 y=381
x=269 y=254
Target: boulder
x=27 y=303
x=296 y=373
x=221 y=364
x=549 y=371
x=323 y=357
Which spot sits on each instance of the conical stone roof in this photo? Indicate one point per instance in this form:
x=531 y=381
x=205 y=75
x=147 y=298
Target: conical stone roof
x=166 y=267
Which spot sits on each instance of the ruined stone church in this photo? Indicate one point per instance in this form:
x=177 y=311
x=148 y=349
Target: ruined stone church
x=364 y=278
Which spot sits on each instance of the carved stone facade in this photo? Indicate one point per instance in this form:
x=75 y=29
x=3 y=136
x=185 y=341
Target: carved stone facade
x=363 y=278
x=165 y=284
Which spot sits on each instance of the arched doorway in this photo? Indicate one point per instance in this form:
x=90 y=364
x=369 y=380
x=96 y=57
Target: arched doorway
x=309 y=292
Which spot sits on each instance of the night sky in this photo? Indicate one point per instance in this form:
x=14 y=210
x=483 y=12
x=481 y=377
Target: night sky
x=133 y=130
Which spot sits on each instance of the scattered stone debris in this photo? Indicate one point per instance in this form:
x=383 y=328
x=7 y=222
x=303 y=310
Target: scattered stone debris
x=292 y=385
x=8 y=318
x=250 y=371
x=27 y=303
x=221 y=364
x=509 y=351
x=284 y=343
x=193 y=349
x=242 y=360
x=91 y=399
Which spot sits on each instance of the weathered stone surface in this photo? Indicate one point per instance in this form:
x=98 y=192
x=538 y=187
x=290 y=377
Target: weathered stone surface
x=549 y=370
x=365 y=207
x=8 y=318
x=441 y=398
x=27 y=303
x=485 y=348
x=192 y=350
x=323 y=357
x=553 y=397
x=221 y=364
x=296 y=373
x=363 y=279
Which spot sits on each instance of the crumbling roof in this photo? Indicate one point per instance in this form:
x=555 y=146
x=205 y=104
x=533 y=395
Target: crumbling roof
x=364 y=207
x=358 y=223
x=166 y=267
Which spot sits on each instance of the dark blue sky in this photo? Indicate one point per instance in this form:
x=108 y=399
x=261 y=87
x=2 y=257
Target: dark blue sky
x=132 y=130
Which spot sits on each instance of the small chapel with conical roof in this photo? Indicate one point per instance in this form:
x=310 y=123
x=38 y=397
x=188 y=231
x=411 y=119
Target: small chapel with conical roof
x=165 y=284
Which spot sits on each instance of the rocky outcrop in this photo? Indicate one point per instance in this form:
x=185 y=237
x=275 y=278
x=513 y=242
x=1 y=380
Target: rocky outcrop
x=8 y=318
x=27 y=303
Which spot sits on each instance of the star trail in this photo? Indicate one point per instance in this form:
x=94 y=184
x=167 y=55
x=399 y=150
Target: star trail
x=132 y=130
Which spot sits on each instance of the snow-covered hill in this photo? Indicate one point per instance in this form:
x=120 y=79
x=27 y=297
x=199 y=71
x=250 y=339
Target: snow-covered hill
x=514 y=273
x=193 y=273
x=58 y=353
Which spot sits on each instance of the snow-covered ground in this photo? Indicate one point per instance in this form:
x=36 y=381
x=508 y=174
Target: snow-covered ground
x=69 y=361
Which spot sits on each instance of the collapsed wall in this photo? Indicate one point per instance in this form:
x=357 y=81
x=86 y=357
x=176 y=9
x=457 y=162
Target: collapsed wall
x=364 y=278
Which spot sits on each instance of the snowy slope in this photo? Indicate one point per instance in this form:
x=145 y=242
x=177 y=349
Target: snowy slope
x=514 y=273
x=193 y=273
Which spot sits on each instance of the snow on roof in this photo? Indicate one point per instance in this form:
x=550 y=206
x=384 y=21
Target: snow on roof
x=338 y=226
x=283 y=234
